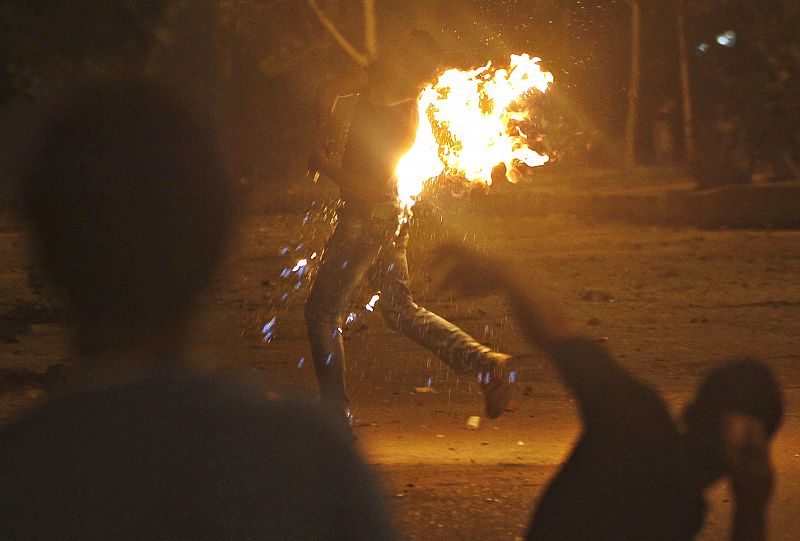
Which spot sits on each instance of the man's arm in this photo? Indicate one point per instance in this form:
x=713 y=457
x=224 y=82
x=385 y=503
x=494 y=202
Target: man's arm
x=751 y=475
x=473 y=274
x=319 y=162
x=348 y=83
x=604 y=390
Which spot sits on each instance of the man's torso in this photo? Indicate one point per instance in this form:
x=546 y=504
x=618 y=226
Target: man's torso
x=624 y=479
x=378 y=138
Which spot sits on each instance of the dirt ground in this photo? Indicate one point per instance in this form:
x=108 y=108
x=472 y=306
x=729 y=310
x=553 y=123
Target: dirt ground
x=667 y=302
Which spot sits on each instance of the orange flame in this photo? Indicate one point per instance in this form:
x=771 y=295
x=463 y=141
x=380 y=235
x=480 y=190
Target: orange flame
x=476 y=110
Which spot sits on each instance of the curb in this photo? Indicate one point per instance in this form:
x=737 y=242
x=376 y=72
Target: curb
x=737 y=206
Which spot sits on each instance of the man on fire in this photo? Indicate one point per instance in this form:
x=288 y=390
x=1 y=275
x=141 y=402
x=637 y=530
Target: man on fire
x=371 y=238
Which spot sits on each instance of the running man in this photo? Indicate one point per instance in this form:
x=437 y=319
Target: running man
x=369 y=240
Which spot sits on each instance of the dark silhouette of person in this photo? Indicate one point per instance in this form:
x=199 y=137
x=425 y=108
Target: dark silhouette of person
x=370 y=239
x=130 y=209
x=635 y=473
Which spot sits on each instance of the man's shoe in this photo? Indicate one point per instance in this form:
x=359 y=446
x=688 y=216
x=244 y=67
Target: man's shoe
x=497 y=380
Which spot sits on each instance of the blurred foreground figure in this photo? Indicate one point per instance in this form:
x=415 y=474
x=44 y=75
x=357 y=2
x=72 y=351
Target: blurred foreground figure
x=370 y=239
x=130 y=211
x=633 y=474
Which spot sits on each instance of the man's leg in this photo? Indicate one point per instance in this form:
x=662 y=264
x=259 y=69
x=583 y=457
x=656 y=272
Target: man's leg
x=348 y=255
x=453 y=346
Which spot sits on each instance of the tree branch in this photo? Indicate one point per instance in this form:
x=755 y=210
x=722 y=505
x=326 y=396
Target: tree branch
x=370 y=41
x=356 y=55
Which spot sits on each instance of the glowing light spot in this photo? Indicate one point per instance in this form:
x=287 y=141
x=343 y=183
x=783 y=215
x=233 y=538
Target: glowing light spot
x=727 y=38
x=351 y=317
x=512 y=377
x=300 y=265
x=371 y=304
x=314 y=255
x=284 y=250
x=301 y=362
x=329 y=359
x=430 y=382
x=286 y=272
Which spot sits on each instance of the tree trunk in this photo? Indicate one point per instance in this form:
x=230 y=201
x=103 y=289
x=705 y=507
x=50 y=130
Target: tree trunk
x=686 y=97
x=633 y=90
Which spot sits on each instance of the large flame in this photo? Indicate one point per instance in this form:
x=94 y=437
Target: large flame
x=475 y=120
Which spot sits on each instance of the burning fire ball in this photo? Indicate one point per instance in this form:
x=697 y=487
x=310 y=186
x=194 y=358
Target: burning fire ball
x=478 y=113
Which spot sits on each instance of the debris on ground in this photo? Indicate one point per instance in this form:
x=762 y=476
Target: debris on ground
x=596 y=296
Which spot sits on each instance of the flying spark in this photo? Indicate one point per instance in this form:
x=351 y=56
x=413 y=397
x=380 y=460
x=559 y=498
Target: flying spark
x=371 y=304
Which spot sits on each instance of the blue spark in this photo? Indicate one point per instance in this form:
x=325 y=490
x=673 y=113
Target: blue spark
x=727 y=38
x=268 y=326
x=512 y=377
x=430 y=382
x=284 y=250
x=329 y=359
x=351 y=317
x=286 y=272
x=301 y=362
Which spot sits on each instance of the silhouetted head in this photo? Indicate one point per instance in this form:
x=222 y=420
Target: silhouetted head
x=412 y=60
x=129 y=207
x=739 y=387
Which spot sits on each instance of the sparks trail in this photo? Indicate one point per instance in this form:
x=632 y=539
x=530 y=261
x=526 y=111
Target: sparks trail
x=302 y=256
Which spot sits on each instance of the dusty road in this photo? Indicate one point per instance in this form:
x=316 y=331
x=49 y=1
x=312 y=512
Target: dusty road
x=667 y=302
